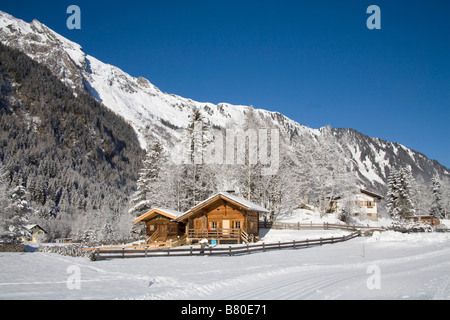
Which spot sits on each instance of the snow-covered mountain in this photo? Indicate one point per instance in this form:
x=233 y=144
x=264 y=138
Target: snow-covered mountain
x=153 y=113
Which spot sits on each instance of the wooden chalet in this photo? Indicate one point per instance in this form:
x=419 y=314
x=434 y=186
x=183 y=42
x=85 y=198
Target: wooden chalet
x=161 y=225
x=224 y=217
x=431 y=220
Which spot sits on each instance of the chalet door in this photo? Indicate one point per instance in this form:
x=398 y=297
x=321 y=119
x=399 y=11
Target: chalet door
x=162 y=228
x=226 y=225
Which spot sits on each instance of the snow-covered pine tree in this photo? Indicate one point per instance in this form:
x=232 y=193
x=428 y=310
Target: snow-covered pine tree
x=5 y=234
x=407 y=193
x=197 y=176
x=392 y=194
x=445 y=187
x=422 y=196
x=249 y=173
x=333 y=172
x=147 y=194
x=437 y=207
x=302 y=170
x=14 y=211
x=400 y=200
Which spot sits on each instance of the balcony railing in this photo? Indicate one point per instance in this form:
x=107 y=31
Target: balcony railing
x=214 y=233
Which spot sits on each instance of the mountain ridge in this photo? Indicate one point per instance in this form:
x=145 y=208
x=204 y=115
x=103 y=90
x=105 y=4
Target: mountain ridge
x=157 y=115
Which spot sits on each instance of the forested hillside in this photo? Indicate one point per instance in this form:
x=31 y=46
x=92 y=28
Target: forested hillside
x=74 y=157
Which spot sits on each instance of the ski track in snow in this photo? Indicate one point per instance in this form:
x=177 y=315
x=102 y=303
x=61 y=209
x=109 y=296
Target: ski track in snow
x=409 y=270
x=315 y=282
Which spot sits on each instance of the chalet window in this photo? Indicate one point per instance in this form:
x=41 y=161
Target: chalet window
x=214 y=225
x=236 y=224
x=369 y=204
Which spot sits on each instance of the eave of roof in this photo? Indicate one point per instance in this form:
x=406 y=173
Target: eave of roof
x=171 y=214
x=240 y=202
x=372 y=194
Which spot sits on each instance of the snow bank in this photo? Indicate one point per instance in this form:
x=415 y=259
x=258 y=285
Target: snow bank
x=306 y=216
x=273 y=236
x=421 y=237
x=410 y=269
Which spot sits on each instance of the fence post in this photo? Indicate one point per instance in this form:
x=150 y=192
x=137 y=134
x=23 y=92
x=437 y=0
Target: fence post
x=264 y=247
x=146 y=250
x=294 y=244
x=97 y=257
x=298 y=225
x=320 y=240
x=168 y=251
x=123 y=253
x=229 y=249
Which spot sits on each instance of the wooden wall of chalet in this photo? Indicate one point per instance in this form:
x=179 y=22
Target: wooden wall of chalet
x=433 y=221
x=167 y=229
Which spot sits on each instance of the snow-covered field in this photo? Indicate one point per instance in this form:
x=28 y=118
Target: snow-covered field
x=386 y=266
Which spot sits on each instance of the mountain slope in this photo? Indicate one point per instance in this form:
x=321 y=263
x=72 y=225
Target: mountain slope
x=72 y=153
x=154 y=114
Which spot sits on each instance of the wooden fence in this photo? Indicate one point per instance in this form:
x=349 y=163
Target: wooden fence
x=314 y=226
x=220 y=250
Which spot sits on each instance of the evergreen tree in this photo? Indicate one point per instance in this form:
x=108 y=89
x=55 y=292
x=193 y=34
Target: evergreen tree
x=148 y=195
x=400 y=200
x=437 y=207
x=14 y=212
x=392 y=194
x=198 y=176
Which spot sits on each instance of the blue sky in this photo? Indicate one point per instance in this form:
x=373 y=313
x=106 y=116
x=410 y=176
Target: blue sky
x=314 y=61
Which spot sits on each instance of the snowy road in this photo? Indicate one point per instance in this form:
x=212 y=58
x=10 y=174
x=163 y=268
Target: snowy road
x=409 y=267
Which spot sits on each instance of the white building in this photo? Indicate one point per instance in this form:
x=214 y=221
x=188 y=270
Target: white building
x=38 y=235
x=363 y=205
x=366 y=205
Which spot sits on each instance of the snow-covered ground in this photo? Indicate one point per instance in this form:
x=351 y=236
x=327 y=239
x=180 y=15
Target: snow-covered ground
x=386 y=266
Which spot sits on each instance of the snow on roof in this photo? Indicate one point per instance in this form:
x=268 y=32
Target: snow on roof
x=31 y=226
x=233 y=198
x=246 y=203
x=169 y=213
x=174 y=213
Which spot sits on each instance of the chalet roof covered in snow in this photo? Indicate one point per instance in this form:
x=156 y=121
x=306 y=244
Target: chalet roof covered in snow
x=169 y=213
x=244 y=203
x=33 y=226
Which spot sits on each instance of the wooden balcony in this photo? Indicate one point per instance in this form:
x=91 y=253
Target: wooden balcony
x=237 y=235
